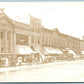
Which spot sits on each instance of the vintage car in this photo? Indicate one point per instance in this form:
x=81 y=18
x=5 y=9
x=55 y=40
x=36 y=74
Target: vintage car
x=69 y=54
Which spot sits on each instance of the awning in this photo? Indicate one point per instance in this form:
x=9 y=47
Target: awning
x=49 y=50
x=57 y=51
x=71 y=52
x=21 y=49
x=82 y=52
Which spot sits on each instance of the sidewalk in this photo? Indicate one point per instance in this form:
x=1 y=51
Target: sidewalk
x=33 y=66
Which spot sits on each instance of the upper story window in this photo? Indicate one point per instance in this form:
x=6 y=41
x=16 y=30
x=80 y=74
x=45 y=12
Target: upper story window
x=38 y=40
x=1 y=49
x=21 y=39
x=8 y=35
x=1 y=36
x=32 y=40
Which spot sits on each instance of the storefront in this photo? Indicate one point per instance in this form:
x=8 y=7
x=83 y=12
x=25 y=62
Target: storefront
x=52 y=53
x=24 y=54
x=49 y=50
x=7 y=60
x=69 y=54
x=38 y=55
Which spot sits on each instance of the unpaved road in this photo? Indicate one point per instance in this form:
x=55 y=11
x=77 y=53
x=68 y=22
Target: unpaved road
x=72 y=71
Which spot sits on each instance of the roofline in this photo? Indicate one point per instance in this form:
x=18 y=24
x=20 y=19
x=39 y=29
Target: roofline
x=21 y=22
x=69 y=36
x=11 y=21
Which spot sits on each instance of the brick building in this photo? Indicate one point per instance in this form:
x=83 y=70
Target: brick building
x=53 y=38
x=15 y=36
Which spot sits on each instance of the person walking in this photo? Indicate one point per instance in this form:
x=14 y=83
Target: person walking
x=29 y=60
x=6 y=62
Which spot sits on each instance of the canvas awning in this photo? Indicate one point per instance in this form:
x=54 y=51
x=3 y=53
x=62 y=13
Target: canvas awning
x=21 y=49
x=71 y=52
x=58 y=51
x=50 y=50
x=82 y=52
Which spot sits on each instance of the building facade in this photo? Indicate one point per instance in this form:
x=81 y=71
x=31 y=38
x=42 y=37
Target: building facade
x=33 y=35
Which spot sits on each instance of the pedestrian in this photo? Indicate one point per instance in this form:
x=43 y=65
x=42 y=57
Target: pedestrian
x=6 y=62
x=37 y=58
x=19 y=61
x=29 y=60
x=25 y=59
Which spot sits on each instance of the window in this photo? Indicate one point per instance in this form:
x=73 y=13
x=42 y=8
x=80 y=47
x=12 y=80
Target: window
x=38 y=30
x=42 y=38
x=38 y=40
x=32 y=39
x=21 y=39
x=1 y=49
x=1 y=35
x=8 y=36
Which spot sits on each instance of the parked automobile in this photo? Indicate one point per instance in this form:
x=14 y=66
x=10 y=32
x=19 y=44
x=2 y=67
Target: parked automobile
x=49 y=58
x=69 y=55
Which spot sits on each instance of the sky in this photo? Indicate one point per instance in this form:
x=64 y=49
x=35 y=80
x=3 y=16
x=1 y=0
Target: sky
x=68 y=17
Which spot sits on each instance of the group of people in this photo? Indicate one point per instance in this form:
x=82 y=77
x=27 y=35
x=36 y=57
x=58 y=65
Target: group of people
x=24 y=59
x=9 y=61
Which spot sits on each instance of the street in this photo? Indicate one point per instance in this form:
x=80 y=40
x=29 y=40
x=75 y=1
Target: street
x=69 y=71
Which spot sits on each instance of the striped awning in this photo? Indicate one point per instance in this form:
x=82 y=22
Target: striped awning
x=50 y=50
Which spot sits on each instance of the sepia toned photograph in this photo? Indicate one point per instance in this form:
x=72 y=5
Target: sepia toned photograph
x=42 y=41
